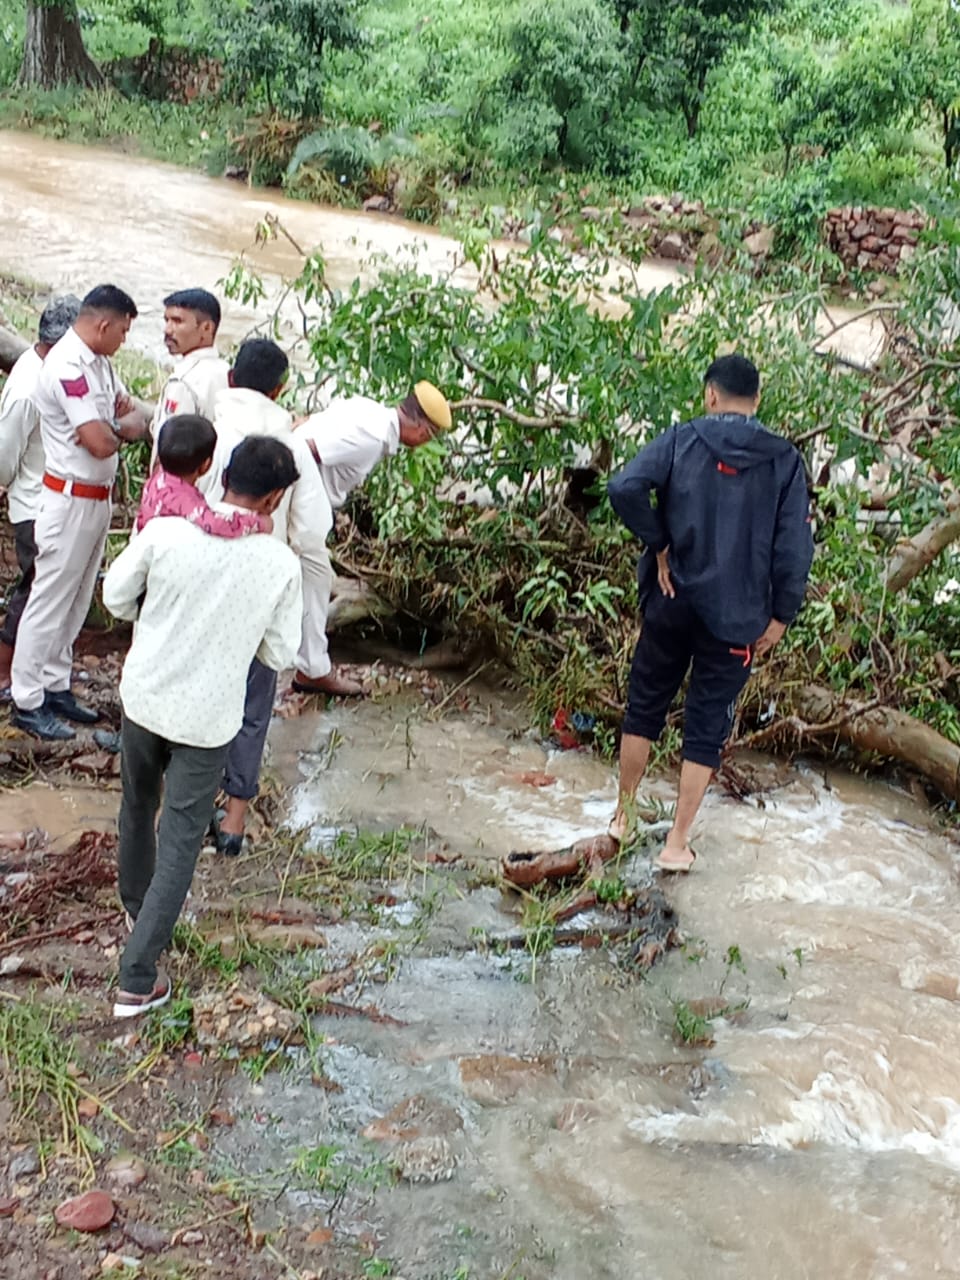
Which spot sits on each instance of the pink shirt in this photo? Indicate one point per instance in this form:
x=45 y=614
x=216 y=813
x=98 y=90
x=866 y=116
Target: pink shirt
x=167 y=495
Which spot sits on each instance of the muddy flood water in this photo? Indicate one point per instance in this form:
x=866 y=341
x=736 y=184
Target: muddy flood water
x=167 y=226
x=570 y=1132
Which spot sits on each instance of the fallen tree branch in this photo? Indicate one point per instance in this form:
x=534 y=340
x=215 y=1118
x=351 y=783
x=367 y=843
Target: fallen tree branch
x=913 y=555
x=887 y=732
x=521 y=419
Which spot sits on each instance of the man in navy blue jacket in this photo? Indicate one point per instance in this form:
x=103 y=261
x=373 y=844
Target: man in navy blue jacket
x=721 y=506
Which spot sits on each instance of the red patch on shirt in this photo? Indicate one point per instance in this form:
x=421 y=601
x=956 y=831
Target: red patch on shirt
x=170 y=406
x=726 y=470
x=76 y=388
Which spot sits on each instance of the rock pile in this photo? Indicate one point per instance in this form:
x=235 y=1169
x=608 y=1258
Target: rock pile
x=873 y=239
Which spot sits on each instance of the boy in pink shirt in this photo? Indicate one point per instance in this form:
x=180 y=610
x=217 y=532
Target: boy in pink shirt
x=185 y=449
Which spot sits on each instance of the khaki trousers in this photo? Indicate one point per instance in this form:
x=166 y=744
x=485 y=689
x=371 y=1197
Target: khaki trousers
x=71 y=534
x=313 y=658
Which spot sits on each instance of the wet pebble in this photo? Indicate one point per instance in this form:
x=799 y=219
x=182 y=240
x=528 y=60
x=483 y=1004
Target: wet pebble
x=146 y=1236
x=25 y=1165
x=126 y=1170
x=90 y=1212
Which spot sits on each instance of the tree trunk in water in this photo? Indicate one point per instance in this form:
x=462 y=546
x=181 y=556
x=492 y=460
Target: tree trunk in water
x=912 y=556
x=889 y=733
x=53 y=50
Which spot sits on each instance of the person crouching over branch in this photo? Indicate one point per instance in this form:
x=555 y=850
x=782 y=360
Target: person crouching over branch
x=347 y=440
x=728 y=550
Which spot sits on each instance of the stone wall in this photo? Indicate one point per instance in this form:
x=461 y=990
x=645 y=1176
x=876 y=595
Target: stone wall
x=873 y=239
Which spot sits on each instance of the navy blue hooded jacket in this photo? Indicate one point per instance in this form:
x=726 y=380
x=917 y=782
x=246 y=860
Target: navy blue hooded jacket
x=732 y=506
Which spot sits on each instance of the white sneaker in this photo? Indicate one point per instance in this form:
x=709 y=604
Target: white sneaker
x=130 y=1005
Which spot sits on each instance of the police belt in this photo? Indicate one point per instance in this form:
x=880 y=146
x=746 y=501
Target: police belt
x=76 y=488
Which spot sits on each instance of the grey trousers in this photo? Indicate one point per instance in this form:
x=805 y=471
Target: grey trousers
x=26 y=555
x=241 y=775
x=156 y=866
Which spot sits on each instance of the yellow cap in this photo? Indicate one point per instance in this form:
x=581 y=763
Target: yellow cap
x=434 y=405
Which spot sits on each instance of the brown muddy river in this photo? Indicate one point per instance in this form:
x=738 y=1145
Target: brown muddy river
x=152 y=228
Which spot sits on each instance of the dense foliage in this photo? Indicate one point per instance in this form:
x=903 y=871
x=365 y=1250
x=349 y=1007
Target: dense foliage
x=748 y=105
x=494 y=537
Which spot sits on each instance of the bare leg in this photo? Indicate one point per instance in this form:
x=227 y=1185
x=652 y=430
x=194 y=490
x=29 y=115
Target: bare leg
x=634 y=754
x=232 y=822
x=694 y=780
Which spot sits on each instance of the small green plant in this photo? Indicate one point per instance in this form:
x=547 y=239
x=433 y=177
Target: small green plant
x=171 y=1026
x=612 y=890
x=690 y=1027
x=377 y=1267
x=539 y=930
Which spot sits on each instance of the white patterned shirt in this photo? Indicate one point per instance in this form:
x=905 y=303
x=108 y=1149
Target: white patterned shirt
x=212 y=605
x=21 y=448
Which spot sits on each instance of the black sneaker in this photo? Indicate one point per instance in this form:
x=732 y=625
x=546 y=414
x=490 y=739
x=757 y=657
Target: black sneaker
x=42 y=723
x=63 y=703
x=230 y=845
x=107 y=740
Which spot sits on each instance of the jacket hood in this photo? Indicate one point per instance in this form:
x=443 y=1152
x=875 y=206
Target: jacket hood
x=252 y=414
x=739 y=442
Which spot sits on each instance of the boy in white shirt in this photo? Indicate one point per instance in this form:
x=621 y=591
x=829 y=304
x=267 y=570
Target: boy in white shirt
x=212 y=605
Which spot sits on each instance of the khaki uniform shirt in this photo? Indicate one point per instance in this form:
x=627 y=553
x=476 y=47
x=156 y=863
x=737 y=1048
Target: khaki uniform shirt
x=193 y=387
x=74 y=387
x=21 y=449
x=351 y=436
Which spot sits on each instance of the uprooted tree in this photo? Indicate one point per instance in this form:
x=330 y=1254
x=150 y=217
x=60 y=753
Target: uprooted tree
x=502 y=538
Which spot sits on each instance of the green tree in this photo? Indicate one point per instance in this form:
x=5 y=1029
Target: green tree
x=933 y=43
x=689 y=39
x=274 y=49
x=53 y=49
x=565 y=62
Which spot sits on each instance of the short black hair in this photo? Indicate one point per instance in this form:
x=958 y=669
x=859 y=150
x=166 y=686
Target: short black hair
x=107 y=297
x=260 y=365
x=258 y=466
x=198 y=300
x=735 y=375
x=185 y=443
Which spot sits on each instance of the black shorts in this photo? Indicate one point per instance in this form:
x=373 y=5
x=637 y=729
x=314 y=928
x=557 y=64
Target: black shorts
x=672 y=638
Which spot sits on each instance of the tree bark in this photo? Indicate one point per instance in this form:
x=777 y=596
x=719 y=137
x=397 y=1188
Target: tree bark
x=912 y=556
x=889 y=733
x=12 y=347
x=53 y=49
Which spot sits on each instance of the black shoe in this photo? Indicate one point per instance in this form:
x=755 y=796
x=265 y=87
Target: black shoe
x=231 y=846
x=42 y=723
x=63 y=703
x=107 y=740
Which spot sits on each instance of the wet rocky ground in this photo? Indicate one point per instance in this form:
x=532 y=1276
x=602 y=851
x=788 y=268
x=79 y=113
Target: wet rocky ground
x=383 y=1061
x=356 y=999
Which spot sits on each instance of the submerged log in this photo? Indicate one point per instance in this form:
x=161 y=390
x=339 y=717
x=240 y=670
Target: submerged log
x=589 y=855
x=887 y=732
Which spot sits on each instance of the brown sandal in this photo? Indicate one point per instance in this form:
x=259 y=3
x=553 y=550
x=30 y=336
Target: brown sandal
x=675 y=868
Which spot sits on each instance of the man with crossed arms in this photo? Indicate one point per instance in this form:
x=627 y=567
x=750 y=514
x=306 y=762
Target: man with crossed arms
x=85 y=414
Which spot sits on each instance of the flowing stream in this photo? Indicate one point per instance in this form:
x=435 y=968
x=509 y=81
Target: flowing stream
x=818 y=1136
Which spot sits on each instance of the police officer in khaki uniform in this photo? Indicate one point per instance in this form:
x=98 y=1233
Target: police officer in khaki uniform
x=347 y=440
x=191 y=318
x=21 y=462
x=85 y=413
